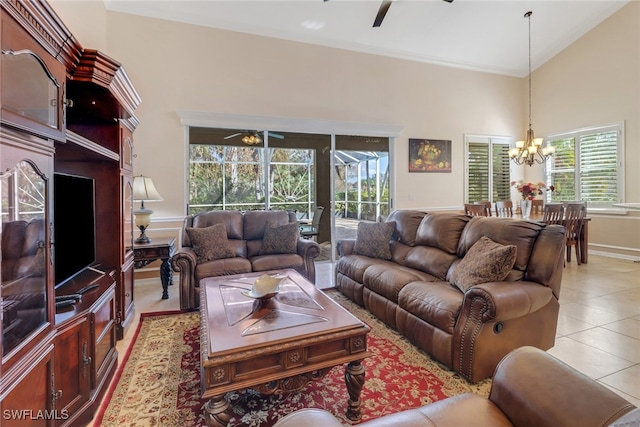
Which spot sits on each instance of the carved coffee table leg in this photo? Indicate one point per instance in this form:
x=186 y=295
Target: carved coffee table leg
x=216 y=411
x=354 y=378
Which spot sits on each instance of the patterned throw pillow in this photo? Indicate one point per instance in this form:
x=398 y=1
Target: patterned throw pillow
x=210 y=243
x=373 y=238
x=280 y=239
x=486 y=261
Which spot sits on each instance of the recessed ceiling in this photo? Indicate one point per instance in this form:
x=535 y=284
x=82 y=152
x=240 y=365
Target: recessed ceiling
x=490 y=36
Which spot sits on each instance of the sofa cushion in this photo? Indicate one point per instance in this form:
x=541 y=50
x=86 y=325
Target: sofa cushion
x=486 y=261
x=387 y=279
x=221 y=267
x=436 y=303
x=280 y=239
x=210 y=243
x=232 y=221
x=407 y=223
x=276 y=262
x=354 y=266
x=430 y=260
x=441 y=230
x=255 y=222
x=372 y=239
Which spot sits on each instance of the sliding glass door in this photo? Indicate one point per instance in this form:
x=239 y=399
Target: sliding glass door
x=244 y=170
x=361 y=183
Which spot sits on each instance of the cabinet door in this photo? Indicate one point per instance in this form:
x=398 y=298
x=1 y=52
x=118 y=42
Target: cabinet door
x=32 y=84
x=25 y=256
x=127 y=218
x=126 y=149
x=31 y=401
x=124 y=292
x=103 y=338
x=126 y=307
x=73 y=365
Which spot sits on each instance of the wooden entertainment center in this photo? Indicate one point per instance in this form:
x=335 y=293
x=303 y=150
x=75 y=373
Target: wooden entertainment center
x=66 y=111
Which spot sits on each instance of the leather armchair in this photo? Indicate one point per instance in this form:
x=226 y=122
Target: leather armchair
x=530 y=389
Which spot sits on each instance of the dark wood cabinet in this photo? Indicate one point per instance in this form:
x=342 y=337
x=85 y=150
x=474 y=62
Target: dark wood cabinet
x=85 y=347
x=72 y=371
x=66 y=110
x=30 y=401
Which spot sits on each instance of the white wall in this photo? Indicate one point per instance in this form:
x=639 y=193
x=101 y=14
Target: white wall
x=176 y=66
x=596 y=81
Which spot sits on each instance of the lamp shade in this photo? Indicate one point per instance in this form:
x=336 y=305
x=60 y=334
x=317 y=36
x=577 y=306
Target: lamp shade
x=144 y=190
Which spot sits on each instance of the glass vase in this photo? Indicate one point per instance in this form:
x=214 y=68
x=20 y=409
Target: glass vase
x=525 y=207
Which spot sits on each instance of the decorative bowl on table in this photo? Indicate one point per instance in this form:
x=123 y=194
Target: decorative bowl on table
x=264 y=287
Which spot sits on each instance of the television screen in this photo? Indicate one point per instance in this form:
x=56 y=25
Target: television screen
x=74 y=225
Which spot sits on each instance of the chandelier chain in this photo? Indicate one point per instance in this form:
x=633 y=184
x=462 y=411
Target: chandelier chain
x=528 y=14
x=530 y=150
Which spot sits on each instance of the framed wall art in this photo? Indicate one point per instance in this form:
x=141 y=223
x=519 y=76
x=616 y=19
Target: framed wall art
x=429 y=155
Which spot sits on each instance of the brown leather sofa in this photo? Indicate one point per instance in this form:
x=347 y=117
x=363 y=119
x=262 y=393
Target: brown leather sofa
x=530 y=388
x=245 y=232
x=471 y=331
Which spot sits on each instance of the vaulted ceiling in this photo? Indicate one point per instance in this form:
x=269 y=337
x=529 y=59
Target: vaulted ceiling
x=490 y=36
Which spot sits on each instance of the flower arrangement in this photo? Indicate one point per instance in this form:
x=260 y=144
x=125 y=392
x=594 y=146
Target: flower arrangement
x=529 y=190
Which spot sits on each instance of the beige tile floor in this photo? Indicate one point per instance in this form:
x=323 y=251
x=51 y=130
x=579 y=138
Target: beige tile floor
x=598 y=328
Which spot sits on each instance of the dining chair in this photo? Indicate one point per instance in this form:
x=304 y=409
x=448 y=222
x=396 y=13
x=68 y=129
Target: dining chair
x=307 y=231
x=487 y=204
x=504 y=208
x=553 y=213
x=537 y=206
x=574 y=214
x=476 y=209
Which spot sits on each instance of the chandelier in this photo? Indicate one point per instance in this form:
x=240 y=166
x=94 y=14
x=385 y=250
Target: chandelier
x=252 y=139
x=530 y=150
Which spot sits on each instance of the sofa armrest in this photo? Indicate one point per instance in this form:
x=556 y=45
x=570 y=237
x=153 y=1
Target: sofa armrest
x=184 y=261
x=534 y=388
x=345 y=246
x=309 y=251
x=508 y=300
x=497 y=317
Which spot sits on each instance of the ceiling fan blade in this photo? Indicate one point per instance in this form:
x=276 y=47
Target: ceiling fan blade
x=449 y=1
x=384 y=7
x=274 y=135
x=233 y=136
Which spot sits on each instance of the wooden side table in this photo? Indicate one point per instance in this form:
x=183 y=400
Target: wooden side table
x=163 y=249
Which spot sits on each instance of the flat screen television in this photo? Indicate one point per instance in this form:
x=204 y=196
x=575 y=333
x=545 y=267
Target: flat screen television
x=74 y=225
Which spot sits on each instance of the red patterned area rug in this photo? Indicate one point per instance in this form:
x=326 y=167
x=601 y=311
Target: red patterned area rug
x=159 y=382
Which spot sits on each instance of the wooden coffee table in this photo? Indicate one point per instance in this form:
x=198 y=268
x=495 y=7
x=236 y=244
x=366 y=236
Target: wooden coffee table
x=275 y=345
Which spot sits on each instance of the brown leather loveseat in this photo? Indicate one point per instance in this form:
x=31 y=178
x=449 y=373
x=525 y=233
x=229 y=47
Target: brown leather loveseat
x=530 y=388
x=469 y=331
x=245 y=252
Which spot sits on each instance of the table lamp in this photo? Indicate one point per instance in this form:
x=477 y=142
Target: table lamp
x=144 y=190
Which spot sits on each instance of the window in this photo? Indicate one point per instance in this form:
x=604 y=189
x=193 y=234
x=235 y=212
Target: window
x=587 y=165
x=488 y=173
x=232 y=177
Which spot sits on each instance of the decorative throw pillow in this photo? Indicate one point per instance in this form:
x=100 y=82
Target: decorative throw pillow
x=485 y=261
x=373 y=238
x=280 y=239
x=210 y=243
